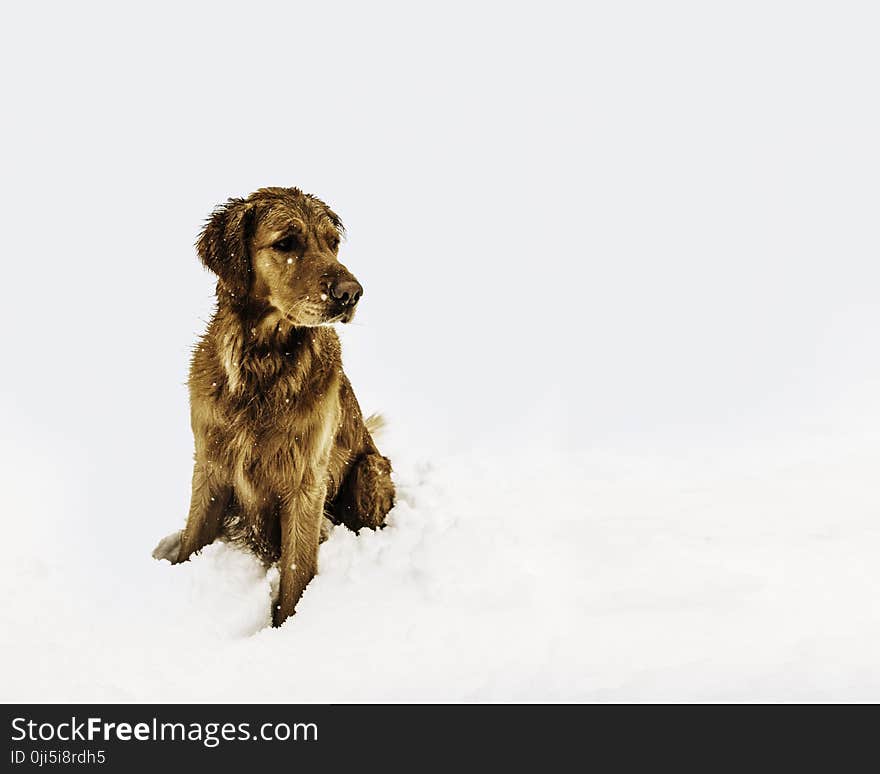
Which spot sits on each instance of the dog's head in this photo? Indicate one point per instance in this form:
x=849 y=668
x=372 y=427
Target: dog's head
x=280 y=247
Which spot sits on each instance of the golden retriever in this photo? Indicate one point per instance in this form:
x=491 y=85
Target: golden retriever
x=280 y=441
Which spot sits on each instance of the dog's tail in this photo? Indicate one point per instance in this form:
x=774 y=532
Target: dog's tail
x=375 y=424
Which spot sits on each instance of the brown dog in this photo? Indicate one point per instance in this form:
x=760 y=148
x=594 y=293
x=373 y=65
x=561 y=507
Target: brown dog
x=279 y=437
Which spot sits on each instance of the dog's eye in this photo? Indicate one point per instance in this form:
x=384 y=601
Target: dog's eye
x=285 y=245
x=334 y=243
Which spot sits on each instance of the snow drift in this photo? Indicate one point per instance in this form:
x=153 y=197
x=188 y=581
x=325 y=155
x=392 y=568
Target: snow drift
x=577 y=577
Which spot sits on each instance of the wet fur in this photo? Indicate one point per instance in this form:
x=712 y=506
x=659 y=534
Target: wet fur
x=280 y=441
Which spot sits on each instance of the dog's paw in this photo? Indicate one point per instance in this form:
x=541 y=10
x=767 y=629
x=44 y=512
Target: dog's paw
x=326 y=529
x=169 y=547
x=375 y=497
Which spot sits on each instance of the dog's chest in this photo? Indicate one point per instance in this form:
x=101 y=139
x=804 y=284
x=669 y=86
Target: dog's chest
x=278 y=439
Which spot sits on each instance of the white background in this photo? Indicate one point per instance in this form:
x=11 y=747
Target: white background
x=586 y=231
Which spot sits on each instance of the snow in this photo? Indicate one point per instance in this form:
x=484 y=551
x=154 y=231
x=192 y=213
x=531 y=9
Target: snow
x=500 y=577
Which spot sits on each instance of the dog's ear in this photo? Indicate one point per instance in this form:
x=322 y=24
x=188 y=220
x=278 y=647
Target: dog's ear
x=223 y=245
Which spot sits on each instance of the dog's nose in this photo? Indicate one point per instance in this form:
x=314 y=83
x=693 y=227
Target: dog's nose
x=346 y=291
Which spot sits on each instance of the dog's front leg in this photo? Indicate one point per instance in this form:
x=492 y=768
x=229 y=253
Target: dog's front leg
x=301 y=516
x=210 y=496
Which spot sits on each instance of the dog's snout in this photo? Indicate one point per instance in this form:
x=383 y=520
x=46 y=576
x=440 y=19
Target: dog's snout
x=346 y=290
